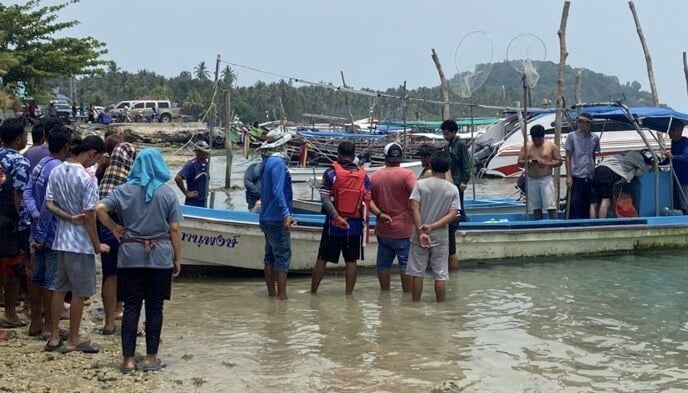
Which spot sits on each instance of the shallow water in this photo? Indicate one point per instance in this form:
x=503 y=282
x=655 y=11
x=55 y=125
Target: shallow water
x=567 y=324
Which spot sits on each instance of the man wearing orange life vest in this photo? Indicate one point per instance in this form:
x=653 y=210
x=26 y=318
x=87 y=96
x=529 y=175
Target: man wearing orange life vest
x=345 y=194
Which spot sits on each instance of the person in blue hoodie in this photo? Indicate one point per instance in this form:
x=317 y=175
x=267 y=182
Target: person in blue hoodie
x=276 y=217
x=679 y=160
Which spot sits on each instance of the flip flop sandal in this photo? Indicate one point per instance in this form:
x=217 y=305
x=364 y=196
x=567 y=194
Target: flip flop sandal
x=5 y=324
x=84 y=346
x=36 y=334
x=6 y=335
x=64 y=335
x=157 y=366
x=127 y=370
x=107 y=332
x=53 y=348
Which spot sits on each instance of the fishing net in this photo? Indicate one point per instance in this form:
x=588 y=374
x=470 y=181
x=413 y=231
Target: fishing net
x=523 y=52
x=473 y=62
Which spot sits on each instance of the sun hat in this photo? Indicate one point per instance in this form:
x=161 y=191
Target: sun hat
x=275 y=138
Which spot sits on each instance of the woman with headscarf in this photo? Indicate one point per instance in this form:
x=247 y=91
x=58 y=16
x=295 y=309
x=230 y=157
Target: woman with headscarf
x=121 y=159
x=150 y=250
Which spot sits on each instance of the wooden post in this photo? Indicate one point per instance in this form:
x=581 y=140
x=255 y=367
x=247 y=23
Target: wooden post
x=563 y=54
x=524 y=128
x=685 y=69
x=653 y=89
x=348 y=104
x=443 y=85
x=577 y=86
x=403 y=106
x=228 y=140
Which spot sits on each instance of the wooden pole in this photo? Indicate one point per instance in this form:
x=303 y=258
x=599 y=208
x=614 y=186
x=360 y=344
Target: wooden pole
x=403 y=113
x=577 y=86
x=653 y=88
x=685 y=69
x=443 y=85
x=348 y=104
x=228 y=140
x=524 y=128
x=563 y=54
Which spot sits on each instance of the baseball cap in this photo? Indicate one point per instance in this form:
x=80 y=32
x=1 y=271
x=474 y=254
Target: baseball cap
x=394 y=152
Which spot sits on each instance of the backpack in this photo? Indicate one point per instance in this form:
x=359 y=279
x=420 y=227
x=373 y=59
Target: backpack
x=348 y=191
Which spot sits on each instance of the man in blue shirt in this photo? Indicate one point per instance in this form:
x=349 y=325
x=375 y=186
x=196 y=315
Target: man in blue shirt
x=195 y=172
x=342 y=233
x=276 y=214
x=581 y=146
x=679 y=160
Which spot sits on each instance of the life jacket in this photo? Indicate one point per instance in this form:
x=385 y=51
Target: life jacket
x=348 y=192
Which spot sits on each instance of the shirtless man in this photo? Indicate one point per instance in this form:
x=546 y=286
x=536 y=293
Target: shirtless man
x=542 y=156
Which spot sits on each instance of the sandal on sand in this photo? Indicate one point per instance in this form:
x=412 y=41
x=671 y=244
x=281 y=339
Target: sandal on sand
x=157 y=366
x=7 y=335
x=5 y=324
x=53 y=348
x=64 y=335
x=107 y=332
x=126 y=370
x=84 y=346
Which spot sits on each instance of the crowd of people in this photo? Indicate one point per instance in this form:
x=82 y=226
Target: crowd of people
x=66 y=200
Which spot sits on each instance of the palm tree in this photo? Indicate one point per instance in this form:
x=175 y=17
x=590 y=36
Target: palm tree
x=201 y=71
x=193 y=102
x=228 y=76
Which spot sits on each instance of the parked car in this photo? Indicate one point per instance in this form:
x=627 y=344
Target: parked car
x=62 y=109
x=138 y=109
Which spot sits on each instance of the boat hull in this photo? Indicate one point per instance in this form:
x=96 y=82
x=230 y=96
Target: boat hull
x=213 y=240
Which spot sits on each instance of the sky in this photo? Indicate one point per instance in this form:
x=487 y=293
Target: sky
x=380 y=43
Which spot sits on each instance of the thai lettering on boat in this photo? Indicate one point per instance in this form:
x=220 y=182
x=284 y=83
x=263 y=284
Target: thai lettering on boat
x=205 y=240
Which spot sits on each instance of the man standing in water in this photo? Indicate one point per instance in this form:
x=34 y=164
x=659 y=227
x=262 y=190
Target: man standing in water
x=460 y=167
x=542 y=156
x=390 y=191
x=276 y=214
x=345 y=195
x=195 y=172
x=679 y=160
x=581 y=146
x=435 y=203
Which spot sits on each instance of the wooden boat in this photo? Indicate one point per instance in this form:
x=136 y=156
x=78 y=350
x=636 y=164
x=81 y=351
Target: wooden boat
x=303 y=175
x=477 y=206
x=234 y=239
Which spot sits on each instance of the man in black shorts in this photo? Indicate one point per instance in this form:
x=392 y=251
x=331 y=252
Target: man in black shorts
x=345 y=193
x=608 y=177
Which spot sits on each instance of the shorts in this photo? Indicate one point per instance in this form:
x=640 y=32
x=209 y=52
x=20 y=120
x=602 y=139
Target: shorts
x=144 y=283
x=76 y=273
x=331 y=246
x=12 y=266
x=45 y=264
x=108 y=260
x=388 y=249
x=437 y=257
x=603 y=184
x=277 y=245
x=541 y=195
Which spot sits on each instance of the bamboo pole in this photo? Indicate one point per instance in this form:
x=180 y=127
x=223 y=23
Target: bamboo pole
x=524 y=129
x=403 y=103
x=443 y=84
x=577 y=86
x=346 y=100
x=685 y=69
x=653 y=89
x=563 y=54
x=228 y=140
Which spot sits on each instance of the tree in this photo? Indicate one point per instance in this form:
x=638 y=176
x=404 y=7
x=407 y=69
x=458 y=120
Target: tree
x=30 y=29
x=228 y=76
x=193 y=102
x=201 y=71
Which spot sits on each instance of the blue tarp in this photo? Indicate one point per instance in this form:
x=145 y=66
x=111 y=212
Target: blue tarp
x=657 y=119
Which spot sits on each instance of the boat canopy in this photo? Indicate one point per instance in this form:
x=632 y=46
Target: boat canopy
x=658 y=119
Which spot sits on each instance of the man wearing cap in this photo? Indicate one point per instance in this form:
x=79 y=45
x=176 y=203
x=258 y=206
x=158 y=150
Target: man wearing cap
x=391 y=188
x=542 y=155
x=276 y=213
x=195 y=172
x=460 y=168
x=581 y=146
